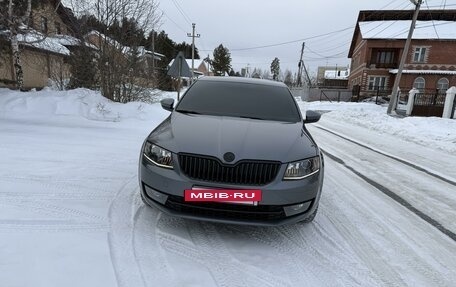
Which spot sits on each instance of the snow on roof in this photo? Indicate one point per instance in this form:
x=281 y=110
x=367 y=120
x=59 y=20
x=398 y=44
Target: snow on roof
x=425 y=72
x=40 y=41
x=337 y=74
x=109 y=40
x=125 y=49
x=399 y=29
x=197 y=62
x=143 y=51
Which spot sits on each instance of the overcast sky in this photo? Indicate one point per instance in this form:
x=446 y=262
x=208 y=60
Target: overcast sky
x=239 y=24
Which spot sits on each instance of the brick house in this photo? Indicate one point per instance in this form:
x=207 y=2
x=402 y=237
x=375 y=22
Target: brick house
x=377 y=47
x=45 y=47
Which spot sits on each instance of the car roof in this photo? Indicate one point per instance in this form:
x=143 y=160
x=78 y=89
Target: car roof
x=242 y=80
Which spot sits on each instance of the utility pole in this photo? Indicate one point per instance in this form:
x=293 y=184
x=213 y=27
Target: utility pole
x=300 y=65
x=397 y=80
x=309 y=81
x=193 y=49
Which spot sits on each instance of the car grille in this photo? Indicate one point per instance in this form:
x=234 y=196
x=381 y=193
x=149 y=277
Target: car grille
x=243 y=173
x=226 y=211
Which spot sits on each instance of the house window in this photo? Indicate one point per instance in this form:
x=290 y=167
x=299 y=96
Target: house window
x=419 y=84
x=44 y=25
x=419 y=54
x=385 y=57
x=58 y=29
x=442 y=84
x=377 y=83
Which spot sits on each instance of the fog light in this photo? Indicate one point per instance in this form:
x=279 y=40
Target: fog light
x=155 y=195
x=297 y=208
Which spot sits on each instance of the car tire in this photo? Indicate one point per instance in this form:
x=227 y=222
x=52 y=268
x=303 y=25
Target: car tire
x=311 y=217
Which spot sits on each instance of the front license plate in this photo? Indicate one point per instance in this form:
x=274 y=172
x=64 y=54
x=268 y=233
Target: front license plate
x=238 y=196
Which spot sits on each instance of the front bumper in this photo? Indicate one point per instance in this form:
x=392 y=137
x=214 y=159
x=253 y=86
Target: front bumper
x=164 y=189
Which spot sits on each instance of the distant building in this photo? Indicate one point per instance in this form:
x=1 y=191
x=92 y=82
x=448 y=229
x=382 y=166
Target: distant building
x=200 y=67
x=333 y=77
x=378 y=44
x=45 y=46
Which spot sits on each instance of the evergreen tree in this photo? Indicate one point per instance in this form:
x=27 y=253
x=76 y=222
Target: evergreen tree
x=187 y=49
x=221 y=63
x=83 y=70
x=163 y=45
x=275 y=69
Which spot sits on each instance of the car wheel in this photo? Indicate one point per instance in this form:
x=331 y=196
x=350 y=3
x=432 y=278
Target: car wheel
x=311 y=217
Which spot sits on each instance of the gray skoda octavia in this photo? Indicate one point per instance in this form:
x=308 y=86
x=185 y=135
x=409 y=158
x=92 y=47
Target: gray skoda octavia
x=233 y=150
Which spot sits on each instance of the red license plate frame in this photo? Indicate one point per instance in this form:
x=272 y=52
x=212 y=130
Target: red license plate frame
x=233 y=196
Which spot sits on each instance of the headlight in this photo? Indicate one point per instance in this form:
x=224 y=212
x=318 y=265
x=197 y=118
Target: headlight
x=302 y=169
x=158 y=156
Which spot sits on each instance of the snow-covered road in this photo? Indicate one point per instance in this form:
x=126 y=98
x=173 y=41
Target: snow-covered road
x=70 y=215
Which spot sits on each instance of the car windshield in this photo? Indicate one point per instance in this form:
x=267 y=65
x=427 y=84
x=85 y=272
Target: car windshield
x=246 y=100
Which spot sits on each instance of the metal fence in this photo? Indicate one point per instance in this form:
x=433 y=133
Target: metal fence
x=429 y=103
x=379 y=93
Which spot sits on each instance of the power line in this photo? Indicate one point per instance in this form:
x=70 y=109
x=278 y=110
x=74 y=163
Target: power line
x=177 y=25
x=387 y=5
x=182 y=12
x=433 y=24
x=302 y=39
x=290 y=42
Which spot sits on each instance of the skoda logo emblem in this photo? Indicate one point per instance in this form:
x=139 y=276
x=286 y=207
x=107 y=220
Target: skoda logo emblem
x=229 y=157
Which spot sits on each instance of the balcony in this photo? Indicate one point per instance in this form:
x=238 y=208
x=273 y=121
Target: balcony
x=384 y=65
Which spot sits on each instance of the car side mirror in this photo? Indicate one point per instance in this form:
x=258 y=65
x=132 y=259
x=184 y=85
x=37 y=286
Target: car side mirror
x=167 y=104
x=312 y=117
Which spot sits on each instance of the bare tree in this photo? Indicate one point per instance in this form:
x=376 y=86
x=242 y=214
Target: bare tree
x=120 y=66
x=15 y=15
x=288 y=78
x=266 y=74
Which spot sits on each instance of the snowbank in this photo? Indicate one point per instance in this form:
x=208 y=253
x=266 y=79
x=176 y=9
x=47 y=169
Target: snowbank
x=428 y=131
x=435 y=132
x=83 y=103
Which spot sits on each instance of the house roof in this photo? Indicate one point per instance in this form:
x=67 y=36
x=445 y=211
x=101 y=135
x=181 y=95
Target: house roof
x=197 y=62
x=392 y=17
x=51 y=44
x=337 y=74
x=443 y=30
x=424 y=72
x=141 y=50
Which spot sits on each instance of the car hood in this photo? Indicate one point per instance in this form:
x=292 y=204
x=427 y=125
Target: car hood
x=246 y=138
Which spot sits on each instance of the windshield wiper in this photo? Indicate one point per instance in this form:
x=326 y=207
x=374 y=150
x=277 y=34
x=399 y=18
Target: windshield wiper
x=188 y=112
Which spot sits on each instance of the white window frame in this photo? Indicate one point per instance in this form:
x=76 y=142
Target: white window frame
x=443 y=84
x=419 y=54
x=377 y=81
x=417 y=84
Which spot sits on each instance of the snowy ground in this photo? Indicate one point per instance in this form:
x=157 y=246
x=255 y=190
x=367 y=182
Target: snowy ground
x=70 y=214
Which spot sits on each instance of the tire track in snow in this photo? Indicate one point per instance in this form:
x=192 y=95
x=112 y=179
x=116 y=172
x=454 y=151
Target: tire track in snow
x=54 y=196
x=121 y=246
x=403 y=161
x=400 y=245
x=306 y=261
x=395 y=197
x=49 y=209
x=7 y=226
x=150 y=257
x=50 y=183
x=210 y=251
